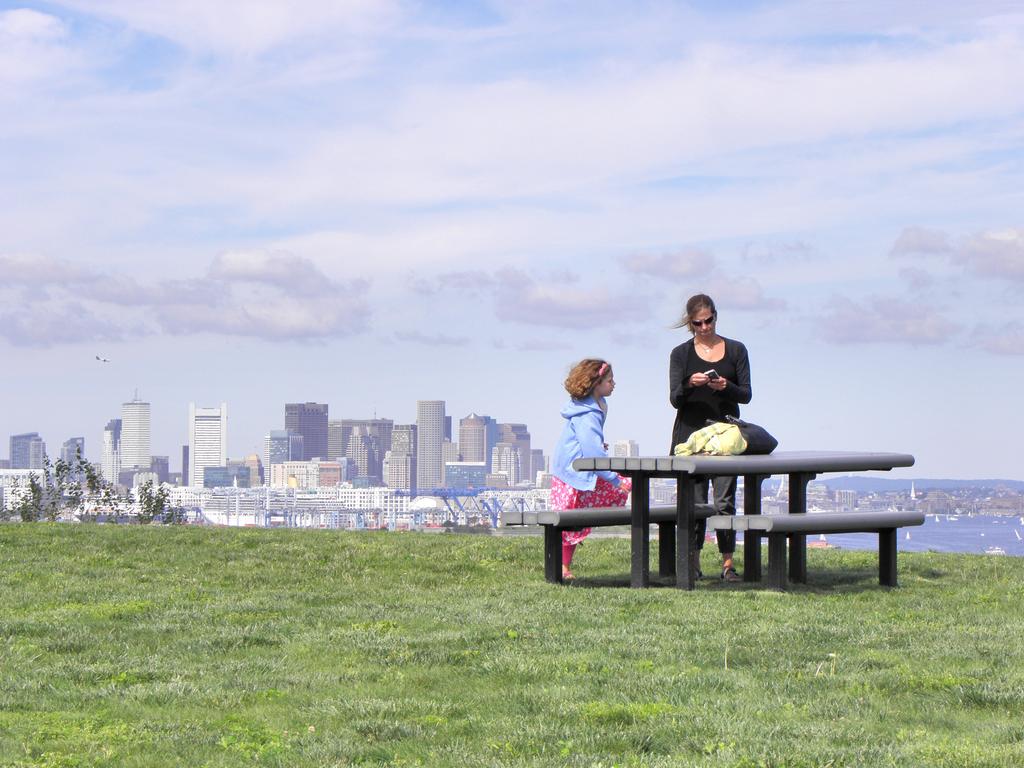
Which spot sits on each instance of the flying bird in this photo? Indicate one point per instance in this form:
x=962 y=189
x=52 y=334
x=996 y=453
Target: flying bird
x=102 y=359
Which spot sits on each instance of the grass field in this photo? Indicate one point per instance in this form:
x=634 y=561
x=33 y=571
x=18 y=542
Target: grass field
x=174 y=646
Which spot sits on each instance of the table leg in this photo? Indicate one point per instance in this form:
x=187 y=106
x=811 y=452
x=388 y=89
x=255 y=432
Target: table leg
x=798 y=542
x=685 y=553
x=777 y=561
x=640 y=568
x=887 y=557
x=752 y=540
x=666 y=549
x=552 y=554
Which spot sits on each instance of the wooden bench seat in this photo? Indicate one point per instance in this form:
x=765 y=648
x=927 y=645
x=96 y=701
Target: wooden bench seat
x=557 y=520
x=780 y=527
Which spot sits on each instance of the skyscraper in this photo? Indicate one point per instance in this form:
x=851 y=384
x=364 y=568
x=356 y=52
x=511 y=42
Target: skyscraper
x=337 y=439
x=281 y=445
x=477 y=437
x=27 y=451
x=339 y=434
x=310 y=421
x=110 y=461
x=135 y=435
x=256 y=475
x=430 y=428
x=207 y=440
x=538 y=463
x=400 y=462
x=161 y=467
x=506 y=459
x=518 y=435
x=72 y=448
x=364 y=451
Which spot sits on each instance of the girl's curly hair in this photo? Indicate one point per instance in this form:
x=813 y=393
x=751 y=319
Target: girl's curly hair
x=585 y=375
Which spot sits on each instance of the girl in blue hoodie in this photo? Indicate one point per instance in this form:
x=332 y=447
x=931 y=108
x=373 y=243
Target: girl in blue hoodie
x=588 y=384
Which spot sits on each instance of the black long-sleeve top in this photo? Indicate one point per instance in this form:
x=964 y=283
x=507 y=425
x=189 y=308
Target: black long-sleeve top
x=695 y=405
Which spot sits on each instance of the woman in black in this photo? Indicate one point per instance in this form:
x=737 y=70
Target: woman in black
x=709 y=376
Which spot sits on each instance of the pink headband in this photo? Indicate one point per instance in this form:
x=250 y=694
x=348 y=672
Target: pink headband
x=602 y=369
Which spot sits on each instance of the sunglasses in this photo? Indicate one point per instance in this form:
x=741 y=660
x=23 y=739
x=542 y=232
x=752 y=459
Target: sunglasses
x=703 y=323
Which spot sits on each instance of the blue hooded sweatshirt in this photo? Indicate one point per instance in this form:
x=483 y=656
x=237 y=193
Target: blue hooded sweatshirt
x=582 y=437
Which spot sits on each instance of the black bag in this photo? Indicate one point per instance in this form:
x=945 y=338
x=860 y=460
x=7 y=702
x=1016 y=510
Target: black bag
x=759 y=440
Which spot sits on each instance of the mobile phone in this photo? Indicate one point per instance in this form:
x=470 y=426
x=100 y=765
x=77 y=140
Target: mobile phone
x=712 y=374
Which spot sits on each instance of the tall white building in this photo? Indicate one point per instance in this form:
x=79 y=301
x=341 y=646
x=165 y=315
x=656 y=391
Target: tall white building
x=207 y=440
x=110 y=463
x=625 y=448
x=506 y=459
x=430 y=434
x=400 y=462
x=135 y=435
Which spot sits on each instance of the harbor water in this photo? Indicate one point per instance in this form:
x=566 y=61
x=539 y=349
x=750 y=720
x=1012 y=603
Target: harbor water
x=978 y=534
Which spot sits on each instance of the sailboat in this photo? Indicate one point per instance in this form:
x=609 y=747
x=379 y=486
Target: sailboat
x=907 y=536
x=1017 y=534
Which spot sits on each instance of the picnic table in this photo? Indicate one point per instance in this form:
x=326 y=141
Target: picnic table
x=800 y=466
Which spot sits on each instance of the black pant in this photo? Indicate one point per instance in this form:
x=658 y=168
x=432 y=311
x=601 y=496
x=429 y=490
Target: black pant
x=725 y=504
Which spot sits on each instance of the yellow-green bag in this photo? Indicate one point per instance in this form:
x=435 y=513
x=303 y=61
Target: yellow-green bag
x=717 y=439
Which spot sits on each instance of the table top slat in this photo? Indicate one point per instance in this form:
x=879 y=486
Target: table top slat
x=780 y=462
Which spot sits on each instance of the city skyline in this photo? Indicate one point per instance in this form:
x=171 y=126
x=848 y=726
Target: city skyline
x=375 y=203
x=207 y=436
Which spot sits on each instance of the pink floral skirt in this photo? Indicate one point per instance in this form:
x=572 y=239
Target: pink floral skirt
x=564 y=496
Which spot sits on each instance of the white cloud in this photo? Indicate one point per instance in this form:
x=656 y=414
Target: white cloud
x=917 y=279
x=31 y=47
x=432 y=339
x=40 y=270
x=123 y=291
x=563 y=303
x=993 y=254
x=998 y=254
x=38 y=324
x=242 y=27
x=274 y=296
x=744 y=293
x=1005 y=340
x=919 y=241
x=884 y=320
x=281 y=318
x=23 y=25
x=282 y=270
x=519 y=138
x=771 y=253
x=686 y=263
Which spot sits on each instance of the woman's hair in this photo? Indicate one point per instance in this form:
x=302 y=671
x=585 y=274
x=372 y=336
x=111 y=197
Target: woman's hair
x=584 y=376
x=695 y=304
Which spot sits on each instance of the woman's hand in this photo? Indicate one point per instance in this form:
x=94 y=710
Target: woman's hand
x=717 y=384
x=699 y=379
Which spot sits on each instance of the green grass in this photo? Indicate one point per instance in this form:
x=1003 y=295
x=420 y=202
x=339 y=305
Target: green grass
x=172 y=646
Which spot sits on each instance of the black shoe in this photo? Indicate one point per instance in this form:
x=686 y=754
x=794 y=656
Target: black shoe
x=729 y=574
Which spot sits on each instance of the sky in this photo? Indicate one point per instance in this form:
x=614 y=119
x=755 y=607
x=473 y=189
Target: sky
x=374 y=202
